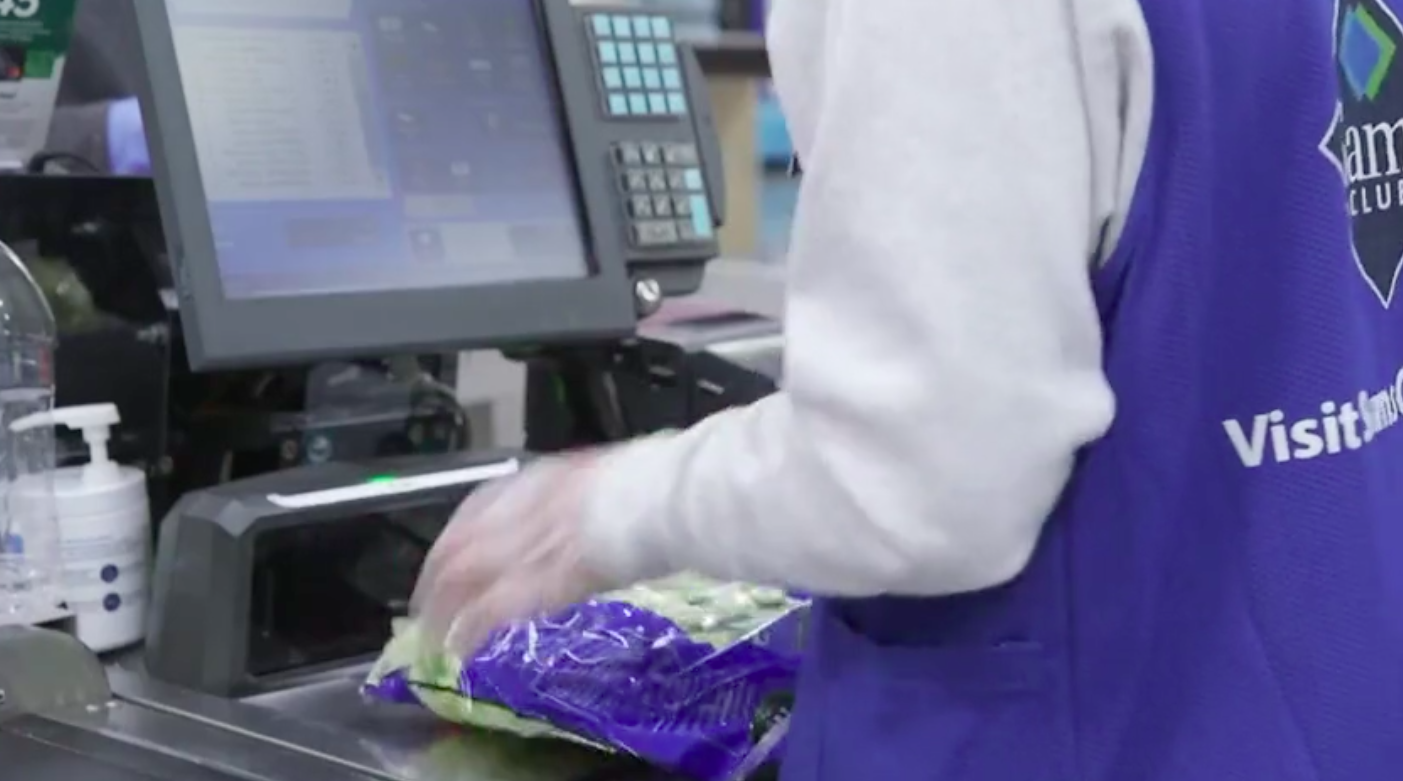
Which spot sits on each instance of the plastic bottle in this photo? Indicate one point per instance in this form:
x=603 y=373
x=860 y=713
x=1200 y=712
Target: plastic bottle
x=104 y=521
x=29 y=537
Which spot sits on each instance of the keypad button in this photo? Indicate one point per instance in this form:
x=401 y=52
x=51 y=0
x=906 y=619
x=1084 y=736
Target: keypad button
x=628 y=54
x=642 y=27
x=612 y=78
x=608 y=52
x=618 y=105
x=657 y=103
x=667 y=53
x=672 y=78
x=685 y=233
x=636 y=182
x=693 y=177
x=651 y=78
x=652 y=154
x=654 y=233
x=628 y=153
x=638 y=103
x=640 y=206
x=676 y=181
x=603 y=27
x=680 y=154
x=662 y=27
x=623 y=27
x=701 y=217
x=662 y=205
x=647 y=54
x=657 y=181
x=632 y=78
x=682 y=205
x=676 y=103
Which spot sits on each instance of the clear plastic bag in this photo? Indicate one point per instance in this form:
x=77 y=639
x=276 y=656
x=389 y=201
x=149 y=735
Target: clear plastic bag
x=677 y=672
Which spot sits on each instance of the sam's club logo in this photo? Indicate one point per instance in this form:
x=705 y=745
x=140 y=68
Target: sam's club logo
x=20 y=9
x=1365 y=140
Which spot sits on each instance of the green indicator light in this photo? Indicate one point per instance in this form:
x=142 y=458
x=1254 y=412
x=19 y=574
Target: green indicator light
x=382 y=479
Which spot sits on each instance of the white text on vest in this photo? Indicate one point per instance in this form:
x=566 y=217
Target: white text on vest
x=1339 y=427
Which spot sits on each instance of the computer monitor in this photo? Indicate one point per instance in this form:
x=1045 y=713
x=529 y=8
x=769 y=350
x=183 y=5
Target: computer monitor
x=359 y=177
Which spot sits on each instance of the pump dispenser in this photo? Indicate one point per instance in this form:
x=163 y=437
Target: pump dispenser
x=95 y=421
x=104 y=523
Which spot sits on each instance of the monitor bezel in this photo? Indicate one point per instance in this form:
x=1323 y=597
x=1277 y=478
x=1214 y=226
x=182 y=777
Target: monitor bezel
x=222 y=332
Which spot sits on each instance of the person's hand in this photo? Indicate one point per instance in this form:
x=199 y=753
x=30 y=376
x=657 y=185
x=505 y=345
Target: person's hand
x=513 y=550
x=127 y=152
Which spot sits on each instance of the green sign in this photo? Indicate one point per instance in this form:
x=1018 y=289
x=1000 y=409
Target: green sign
x=34 y=36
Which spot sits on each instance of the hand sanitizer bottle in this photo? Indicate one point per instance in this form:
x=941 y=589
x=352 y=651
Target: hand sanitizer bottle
x=104 y=522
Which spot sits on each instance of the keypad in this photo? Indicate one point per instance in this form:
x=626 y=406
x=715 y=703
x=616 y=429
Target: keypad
x=639 y=72
x=665 y=194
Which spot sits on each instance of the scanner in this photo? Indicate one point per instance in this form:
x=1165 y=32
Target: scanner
x=278 y=579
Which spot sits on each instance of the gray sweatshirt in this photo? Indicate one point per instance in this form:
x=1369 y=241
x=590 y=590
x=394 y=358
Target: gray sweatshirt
x=966 y=166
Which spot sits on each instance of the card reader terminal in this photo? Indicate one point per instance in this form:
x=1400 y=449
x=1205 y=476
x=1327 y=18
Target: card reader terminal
x=661 y=138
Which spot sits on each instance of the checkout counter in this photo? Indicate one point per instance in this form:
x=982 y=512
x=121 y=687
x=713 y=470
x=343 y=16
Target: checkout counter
x=345 y=178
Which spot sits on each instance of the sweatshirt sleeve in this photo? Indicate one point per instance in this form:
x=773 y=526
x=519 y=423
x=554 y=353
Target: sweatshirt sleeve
x=943 y=348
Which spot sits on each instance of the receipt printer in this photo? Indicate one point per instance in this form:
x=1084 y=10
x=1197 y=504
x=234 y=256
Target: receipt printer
x=691 y=363
x=684 y=364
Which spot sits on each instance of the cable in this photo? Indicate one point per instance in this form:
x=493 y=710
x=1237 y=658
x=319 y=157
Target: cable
x=407 y=368
x=41 y=160
x=430 y=386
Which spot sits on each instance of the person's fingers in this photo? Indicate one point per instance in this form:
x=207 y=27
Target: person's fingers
x=461 y=584
x=459 y=527
x=494 y=502
x=464 y=531
x=490 y=551
x=473 y=625
x=506 y=555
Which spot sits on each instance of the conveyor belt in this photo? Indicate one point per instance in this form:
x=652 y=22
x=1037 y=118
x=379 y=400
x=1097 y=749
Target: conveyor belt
x=42 y=763
x=35 y=749
x=143 y=730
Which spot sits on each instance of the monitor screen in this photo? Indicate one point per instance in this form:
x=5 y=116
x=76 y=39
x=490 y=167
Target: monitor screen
x=355 y=146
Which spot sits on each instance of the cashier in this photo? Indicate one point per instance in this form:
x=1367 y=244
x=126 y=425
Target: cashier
x=98 y=119
x=1090 y=432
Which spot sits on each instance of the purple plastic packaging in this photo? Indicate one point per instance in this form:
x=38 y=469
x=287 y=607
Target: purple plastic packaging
x=626 y=678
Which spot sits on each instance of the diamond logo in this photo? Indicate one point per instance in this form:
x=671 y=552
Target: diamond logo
x=1366 y=52
x=1364 y=140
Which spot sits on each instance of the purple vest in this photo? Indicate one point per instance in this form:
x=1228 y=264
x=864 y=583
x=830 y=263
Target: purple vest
x=1219 y=595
